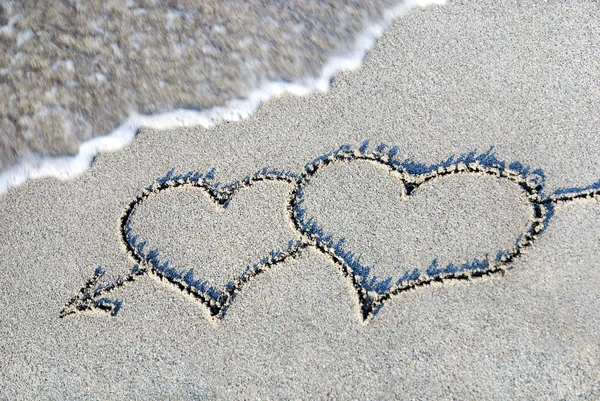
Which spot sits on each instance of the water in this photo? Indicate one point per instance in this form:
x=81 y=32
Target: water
x=78 y=78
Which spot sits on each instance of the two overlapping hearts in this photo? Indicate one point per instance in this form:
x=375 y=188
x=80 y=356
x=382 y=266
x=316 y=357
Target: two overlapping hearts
x=388 y=225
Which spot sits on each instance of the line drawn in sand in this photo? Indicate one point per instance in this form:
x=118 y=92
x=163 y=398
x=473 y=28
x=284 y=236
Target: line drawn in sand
x=371 y=293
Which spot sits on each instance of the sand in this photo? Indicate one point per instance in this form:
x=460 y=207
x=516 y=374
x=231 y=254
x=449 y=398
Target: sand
x=443 y=81
x=70 y=71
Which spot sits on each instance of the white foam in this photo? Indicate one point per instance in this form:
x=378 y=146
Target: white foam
x=66 y=167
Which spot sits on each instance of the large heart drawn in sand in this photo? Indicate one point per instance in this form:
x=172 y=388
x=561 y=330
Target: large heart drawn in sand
x=208 y=240
x=393 y=226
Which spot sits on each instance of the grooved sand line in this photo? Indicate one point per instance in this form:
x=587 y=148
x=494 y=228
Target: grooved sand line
x=217 y=300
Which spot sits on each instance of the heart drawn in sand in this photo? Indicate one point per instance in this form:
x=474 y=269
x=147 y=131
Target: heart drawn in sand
x=209 y=256
x=410 y=224
x=209 y=239
x=406 y=225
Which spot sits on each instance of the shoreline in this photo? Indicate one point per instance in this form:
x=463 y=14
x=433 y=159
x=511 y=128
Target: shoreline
x=67 y=167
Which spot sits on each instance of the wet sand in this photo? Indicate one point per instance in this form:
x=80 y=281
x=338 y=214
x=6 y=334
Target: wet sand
x=71 y=71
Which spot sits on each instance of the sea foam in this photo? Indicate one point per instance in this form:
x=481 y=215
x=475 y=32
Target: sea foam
x=67 y=167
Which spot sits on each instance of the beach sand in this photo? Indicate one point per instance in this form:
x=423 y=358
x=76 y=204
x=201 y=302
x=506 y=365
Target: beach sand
x=513 y=79
x=71 y=71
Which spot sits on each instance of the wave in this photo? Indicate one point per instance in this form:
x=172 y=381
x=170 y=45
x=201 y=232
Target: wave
x=67 y=167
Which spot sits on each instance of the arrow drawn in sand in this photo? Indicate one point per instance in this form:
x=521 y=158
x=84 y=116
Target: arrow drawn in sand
x=372 y=292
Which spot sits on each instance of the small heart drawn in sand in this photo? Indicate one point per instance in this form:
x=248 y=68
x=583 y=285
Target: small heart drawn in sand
x=206 y=239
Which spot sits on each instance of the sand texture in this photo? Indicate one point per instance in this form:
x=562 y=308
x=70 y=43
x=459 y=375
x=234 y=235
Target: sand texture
x=312 y=260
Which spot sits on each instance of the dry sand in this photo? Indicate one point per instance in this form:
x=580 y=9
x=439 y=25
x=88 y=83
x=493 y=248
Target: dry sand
x=443 y=81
